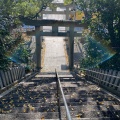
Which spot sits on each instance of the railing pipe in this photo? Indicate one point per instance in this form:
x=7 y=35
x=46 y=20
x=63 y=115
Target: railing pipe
x=64 y=99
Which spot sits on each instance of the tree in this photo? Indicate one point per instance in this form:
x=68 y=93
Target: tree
x=22 y=53
x=10 y=10
x=4 y=36
x=95 y=53
x=26 y=8
x=107 y=25
x=103 y=19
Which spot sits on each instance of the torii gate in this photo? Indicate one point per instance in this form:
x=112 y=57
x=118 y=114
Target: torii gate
x=55 y=24
x=38 y=32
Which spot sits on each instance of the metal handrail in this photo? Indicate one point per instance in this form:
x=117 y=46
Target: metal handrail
x=63 y=96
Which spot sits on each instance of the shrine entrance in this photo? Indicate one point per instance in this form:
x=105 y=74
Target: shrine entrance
x=55 y=24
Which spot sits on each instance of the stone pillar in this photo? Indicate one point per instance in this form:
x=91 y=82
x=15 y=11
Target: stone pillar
x=74 y=11
x=71 y=48
x=54 y=27
x=41 y=27
x=67 y=17
x=67 y=12
x=38 y=48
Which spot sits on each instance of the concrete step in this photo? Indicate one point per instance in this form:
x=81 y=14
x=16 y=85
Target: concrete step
x=31 y=84
x=29 y=116
x=86 y=108
x=84 y=98
x=89 y=108
x=74 y=114
x=62 y=80
x=93 y=114
x=32 y=100
x=75 y=89
x=64 y=73
x=107 y=103
x=30 y=96
x=43 y=79
x=29 y=108
x=54 y=108
x=32 y=92
x=100 y=118
x=45 y=75
x=31 y=104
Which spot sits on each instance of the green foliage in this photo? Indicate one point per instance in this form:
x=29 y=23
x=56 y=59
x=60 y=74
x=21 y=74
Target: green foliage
x=107 y=26
x=26 y=8
x=10 y=10
x=112 y=63
x=4 y=33
x=22 y=53
x=103 y=17
x=4 y=63
x=67 y=2
x=94 y=53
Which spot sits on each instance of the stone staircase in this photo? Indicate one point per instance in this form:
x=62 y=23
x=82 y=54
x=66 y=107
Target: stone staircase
x=87 y=101
x=36 y=99
x=32 y=100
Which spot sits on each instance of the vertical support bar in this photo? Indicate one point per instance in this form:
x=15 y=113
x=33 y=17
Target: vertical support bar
x=38 y=48
x=71 y=48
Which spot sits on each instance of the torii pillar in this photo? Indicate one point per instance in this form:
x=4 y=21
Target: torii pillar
x=71 y=48
x=38 y=47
